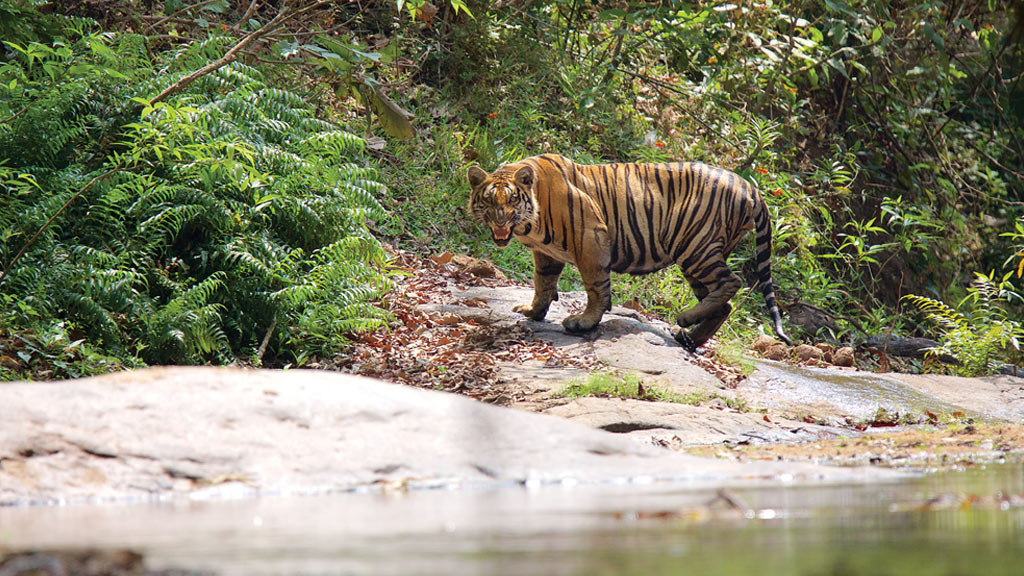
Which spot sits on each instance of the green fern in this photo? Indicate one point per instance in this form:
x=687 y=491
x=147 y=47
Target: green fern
x=984 y=336
x=233 y=208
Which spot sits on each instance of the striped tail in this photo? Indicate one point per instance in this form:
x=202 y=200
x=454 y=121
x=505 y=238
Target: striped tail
x=763 y=230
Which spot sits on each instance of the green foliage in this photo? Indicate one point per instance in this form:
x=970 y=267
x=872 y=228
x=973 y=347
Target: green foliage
x=1017 y=235
x=606 y=385
x=884 y=137
x=185 y=231
x=979 y=330
x=631 y=387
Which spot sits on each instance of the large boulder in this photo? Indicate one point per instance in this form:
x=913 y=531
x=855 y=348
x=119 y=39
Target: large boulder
x=220 y=431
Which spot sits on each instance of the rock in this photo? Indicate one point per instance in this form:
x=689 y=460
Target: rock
x=79 y=562
x=844 y=357
x=625 y=341
x=827 y=351
x=220 y=432
x=713 y=423
x=477 y=267
x=642 y=351
x=92 y=562
x=806 y=353
x=777 y=351
x=835 y=394
x=763 y=343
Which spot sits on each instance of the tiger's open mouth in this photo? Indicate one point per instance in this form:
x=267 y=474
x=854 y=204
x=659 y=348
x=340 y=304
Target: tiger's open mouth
x=501 y=235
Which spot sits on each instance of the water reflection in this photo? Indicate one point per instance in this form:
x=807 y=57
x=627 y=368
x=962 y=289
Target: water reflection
x=952 y=523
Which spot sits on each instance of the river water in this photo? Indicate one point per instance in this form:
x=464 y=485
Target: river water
x=960 y=522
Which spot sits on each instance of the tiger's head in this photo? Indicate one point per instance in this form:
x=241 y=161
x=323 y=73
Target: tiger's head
x=503 y=200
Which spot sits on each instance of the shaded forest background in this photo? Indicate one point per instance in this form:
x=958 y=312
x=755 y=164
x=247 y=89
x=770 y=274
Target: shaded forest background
x=190 y=182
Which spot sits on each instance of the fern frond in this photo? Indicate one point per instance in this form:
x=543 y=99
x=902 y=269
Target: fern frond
x=89 y=312
x=169 y=221
x=937 y=311
x=332 y=143
x=198 y=295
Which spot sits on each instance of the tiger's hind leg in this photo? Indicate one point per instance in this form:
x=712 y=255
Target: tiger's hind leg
x=712 y=306
x=697 y=337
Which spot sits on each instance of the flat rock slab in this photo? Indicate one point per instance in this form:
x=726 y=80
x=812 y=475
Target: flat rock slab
x=221 y=432
x=680 y=425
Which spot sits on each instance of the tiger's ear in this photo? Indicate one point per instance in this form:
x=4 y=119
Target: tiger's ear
x=476 y=176
x=525 y=177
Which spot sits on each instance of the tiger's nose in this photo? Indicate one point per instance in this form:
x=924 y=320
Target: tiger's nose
x=502 y=215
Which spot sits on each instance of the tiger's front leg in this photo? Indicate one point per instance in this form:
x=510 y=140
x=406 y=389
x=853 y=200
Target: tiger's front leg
x=546 y=271
x=593 y=262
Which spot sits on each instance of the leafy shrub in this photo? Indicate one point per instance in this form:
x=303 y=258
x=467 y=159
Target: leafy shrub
x=190 y=230
x=978 y=334
x=606 y=385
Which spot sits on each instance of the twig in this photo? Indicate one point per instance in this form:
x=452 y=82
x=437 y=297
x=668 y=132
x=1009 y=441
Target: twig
x=19 y=112
x=266 y=340
x=164 y=20
x=750 y=157
x=180 y=12
x=663 y=86
x=46 y=225
x=791 y=47
x=248 y=14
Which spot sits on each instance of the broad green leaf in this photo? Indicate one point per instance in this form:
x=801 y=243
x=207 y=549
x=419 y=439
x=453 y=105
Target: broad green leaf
x=220 y=6
x=935 y=37
x=395 y=121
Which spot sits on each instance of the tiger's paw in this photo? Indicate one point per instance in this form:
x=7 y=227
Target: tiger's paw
x=530 y=312
x=579 y=323
x=683 y=337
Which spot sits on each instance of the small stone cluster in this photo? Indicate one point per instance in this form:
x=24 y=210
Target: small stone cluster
x=821 y=353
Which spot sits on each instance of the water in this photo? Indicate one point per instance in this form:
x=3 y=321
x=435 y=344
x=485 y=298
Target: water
x=950 y=523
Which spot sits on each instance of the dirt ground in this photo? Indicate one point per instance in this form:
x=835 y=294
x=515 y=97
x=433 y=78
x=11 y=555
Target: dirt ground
x=924 y=446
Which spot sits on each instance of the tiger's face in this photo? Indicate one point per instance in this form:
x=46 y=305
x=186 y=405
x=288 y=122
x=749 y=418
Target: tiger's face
x=502 y=200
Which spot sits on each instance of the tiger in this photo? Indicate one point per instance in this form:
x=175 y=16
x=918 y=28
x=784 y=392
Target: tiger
x=633 y=218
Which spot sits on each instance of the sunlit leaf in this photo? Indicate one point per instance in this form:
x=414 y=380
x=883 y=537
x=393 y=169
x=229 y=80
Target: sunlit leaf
x=395 y=120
